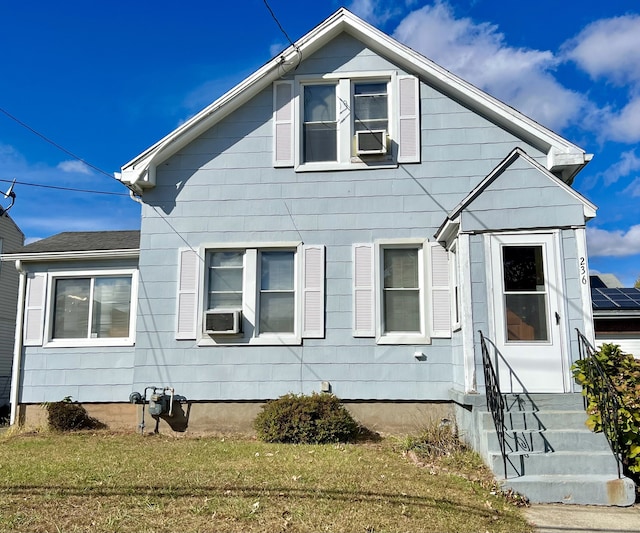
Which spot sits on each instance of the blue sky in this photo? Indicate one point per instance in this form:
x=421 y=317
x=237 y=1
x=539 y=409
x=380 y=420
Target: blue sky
x=105 y=80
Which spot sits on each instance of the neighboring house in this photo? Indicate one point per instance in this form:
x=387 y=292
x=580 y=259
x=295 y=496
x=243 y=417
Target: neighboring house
x=11 y=238
x=616 y=317
x=347 y=218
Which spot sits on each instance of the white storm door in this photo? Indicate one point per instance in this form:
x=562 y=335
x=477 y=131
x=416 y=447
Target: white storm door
x=528 y=326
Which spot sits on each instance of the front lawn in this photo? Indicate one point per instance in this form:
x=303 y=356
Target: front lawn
x=101 y=481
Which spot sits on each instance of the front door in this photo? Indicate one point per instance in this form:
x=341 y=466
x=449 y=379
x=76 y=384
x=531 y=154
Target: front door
x=528 y=326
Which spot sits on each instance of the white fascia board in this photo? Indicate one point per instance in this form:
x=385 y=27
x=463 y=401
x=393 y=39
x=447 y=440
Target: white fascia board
x=448 y=231
x=72 y=256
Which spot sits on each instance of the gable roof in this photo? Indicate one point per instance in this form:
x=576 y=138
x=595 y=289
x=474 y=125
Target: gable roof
x=80 y=245
x=563 y=156
x=450 y=226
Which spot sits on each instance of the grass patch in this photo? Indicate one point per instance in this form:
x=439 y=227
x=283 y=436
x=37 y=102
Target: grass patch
x=103 y=481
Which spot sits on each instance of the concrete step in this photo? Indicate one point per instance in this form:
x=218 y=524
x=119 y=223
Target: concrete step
x=525 y=463
x=579 y=440
x=544 y=402
x=561 y=419
x=574 y=489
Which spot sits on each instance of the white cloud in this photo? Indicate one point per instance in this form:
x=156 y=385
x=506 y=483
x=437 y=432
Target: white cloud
x=616 y=243
x=633 y=189
x=608 y=48
x=373 y=11
x=477 y=52
x=623 y=125
x=627 y=164
x=74 y=166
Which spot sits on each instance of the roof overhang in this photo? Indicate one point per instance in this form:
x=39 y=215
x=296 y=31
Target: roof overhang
x=563 y=157
x=71 y=256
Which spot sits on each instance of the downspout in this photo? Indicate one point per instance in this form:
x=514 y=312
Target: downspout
x=17 y=345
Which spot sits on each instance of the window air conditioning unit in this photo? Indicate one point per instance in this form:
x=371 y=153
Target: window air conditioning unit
x=223 y=322
x=371 y=142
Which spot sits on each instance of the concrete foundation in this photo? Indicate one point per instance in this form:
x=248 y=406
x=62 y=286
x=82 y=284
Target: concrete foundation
x=203 y=418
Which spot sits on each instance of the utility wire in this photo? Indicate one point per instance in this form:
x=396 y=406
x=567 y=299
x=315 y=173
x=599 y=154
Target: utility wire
x=59 y=147
x=278 y=22
x=63 y=188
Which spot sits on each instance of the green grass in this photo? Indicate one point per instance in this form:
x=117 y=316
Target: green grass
x=102 y=481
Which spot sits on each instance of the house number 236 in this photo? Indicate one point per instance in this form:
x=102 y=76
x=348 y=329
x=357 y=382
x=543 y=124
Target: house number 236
x=583 y=270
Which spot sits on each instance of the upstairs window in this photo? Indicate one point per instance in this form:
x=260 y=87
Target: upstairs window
x=370 y=108
x=342 y=122
x=320 y=128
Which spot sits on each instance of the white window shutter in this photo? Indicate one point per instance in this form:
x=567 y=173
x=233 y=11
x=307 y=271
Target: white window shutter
x=363 y=291
x=408 y=119
x=313 y=291
x=34 y=310
x=283 y=127
x=440 y=291
x=187 y=297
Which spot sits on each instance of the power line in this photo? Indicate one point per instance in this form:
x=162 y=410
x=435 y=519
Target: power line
x=53 y=143
x=64 y=188
x=278 y=22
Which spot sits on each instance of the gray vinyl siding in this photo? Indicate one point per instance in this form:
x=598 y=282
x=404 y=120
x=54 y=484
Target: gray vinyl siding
x=223 y=188
x=87 y=374
x=10 y=239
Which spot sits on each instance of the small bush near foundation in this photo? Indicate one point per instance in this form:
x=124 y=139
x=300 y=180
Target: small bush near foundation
x=302 y=419
x=436 y=440
x=67 y=415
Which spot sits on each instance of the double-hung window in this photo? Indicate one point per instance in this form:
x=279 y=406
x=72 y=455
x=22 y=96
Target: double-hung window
x=320 y=127
x=95 y=308
x=401 y=291
x=342 y=121
x=270 y=293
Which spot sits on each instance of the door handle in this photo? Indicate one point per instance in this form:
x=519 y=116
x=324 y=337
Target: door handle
x=557 y=319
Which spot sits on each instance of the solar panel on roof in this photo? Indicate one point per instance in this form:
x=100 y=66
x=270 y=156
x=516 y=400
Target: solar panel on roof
x=614 y=298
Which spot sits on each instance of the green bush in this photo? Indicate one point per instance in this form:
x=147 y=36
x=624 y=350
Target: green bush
x=302 y=419
x=624 y=372
x=67 y=415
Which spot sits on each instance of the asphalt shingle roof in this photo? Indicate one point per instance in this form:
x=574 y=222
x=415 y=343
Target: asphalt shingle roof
x=83 y=241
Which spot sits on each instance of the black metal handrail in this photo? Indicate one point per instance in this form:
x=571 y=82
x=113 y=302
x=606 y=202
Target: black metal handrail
x=495 y=400
x=607 y=399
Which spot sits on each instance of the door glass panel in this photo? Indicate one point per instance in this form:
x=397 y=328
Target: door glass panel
x=525 y=296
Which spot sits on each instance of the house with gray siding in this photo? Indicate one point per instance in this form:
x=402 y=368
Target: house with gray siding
x=11 y=238
x=351 y=218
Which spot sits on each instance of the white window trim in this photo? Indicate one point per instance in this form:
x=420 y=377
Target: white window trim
x=344 y=93
x=250 y=303
x=423 y=337
x=50 y=342
x=454 y=282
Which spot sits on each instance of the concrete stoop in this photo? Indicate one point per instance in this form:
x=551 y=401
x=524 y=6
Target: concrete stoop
x=552 y=457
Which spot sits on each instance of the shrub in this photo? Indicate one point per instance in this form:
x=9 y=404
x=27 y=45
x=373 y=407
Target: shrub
x=435 y=440
x=66 y=415
x=302 y=419
x=624 y=372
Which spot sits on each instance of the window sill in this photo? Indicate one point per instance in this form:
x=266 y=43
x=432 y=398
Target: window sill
x=355 y=164
x=263 y=340
x=400 y=338
x=81 y=343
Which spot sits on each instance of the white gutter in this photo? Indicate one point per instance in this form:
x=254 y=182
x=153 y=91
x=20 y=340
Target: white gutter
x=17 y=345
x=70 y=256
